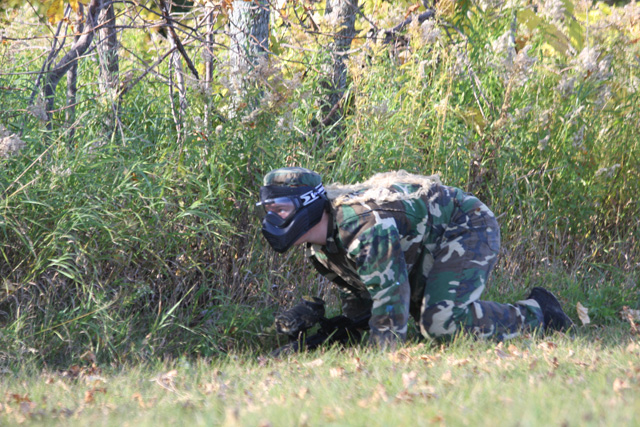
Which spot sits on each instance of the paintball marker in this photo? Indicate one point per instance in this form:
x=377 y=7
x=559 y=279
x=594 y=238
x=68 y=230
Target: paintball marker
x=338 y=329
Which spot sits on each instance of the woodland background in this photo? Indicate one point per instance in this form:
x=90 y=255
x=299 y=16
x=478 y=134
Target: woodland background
x=134 y=135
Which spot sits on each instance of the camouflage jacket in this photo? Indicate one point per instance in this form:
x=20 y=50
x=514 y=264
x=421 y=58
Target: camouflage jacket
x=372 y=247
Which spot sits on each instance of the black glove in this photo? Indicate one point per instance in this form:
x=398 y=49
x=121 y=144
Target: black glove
x=300 y=317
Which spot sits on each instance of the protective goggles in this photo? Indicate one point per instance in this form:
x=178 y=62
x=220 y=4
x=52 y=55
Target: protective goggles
x=286 y=206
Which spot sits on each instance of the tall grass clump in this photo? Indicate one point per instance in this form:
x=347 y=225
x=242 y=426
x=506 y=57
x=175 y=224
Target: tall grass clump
x=132 y=239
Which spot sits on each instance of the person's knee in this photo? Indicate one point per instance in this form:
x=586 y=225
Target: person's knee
x=439 y=320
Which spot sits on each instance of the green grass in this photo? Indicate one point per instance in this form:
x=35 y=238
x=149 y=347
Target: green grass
x=591 y=378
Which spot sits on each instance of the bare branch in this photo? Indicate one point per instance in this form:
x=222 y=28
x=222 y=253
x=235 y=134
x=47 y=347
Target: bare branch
x=174 y=36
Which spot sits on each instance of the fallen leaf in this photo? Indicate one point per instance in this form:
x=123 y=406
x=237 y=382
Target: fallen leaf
x=404 y=396
x=144 y=405
x=332 y=412
x=314 y=363
x=94 y=379
x=620 y=385
x=166 y=380
x=18 y=398
x=380 y=393
x=363 y=403
x=409 y=379
x=547 y=346
x=400 y=356
x=460 y=362
x=89 y=395
x=437 y=419
x=359 y=365
x=89 y=357
x=633 y=347
x=231 y=417
x=633 y=314
x=336 y=372
x=583 y=314
x=304 y=420
x=302 y=392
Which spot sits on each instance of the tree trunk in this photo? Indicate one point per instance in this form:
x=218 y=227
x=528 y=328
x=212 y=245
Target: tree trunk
x=249 y=41
x=71 y=57
x=108 y=49
x=343 y=13
x=210 y=19
x=72 y=80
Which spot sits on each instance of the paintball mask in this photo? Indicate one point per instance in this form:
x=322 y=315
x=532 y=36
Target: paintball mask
x=290 y=212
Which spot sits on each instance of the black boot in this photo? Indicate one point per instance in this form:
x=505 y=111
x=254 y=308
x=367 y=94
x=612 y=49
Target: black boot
x=554 y=318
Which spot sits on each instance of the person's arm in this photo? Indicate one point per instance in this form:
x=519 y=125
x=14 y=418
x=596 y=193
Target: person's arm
x=355 y=302
x=373 y=243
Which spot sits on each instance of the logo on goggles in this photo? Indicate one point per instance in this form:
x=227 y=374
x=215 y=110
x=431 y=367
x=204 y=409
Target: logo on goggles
x=313 y=195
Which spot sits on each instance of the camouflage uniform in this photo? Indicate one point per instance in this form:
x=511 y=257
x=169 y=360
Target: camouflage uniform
x=428 y=253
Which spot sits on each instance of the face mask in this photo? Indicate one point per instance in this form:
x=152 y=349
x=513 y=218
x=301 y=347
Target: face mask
x=289 y=216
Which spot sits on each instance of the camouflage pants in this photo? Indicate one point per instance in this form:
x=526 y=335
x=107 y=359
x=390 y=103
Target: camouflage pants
x=449 y=279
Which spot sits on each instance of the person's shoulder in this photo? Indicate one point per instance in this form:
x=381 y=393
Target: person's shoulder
x=350 y=213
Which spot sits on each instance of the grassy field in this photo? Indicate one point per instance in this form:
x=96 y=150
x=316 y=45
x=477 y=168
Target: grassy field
x=589 y=378
x=127 y=236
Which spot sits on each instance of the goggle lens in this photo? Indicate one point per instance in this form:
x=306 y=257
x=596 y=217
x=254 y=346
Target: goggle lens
x=284 y=207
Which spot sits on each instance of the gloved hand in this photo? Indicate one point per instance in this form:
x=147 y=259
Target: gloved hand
x=300 y=317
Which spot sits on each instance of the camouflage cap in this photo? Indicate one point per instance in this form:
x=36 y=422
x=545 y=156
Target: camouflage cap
x=292 y=177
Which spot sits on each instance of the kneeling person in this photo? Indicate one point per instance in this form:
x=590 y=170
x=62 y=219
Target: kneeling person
x=401 y=244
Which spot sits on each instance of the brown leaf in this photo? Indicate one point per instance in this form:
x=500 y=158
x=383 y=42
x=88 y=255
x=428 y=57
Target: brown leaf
x=633 y=347
x=583 y=314
x=89 y=395
x=547 y=346
x=303 y=392
x=331 y=413
x=73 y=372
x=166 y=380
x=404 y=396
x=314 y=363
x=380 y=393
x=411 y=9
x=304 y=420
x=437 y=419
x=20 y=398
x=89 y=357
x=620 y=385
x=359 y=365
x=400 y=356
x=336 y=372
x=144 y=405
x=632 y=316
x=409 y=379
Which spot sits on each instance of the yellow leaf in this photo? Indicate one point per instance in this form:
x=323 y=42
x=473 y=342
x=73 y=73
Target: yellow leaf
x=583 y=314
x=75 y=4
x=55 y=11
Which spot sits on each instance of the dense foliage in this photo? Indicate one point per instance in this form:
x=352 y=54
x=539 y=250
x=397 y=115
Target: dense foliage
x=128 y=236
